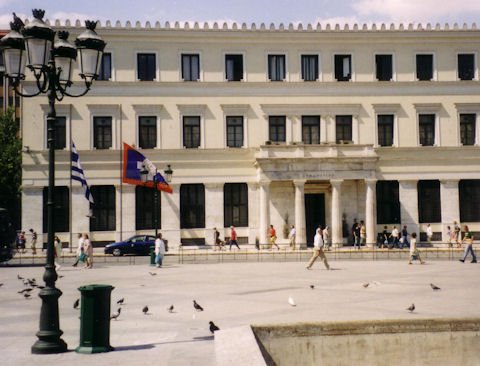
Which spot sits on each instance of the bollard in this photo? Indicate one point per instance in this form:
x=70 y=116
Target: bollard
x=95 y=319
x=152 y=256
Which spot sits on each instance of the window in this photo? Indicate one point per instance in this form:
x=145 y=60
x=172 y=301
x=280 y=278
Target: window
x=277 y=129
x=146 y=67
x=276 y=67
x=60 y=133
x=61 y=209
x=426 y=126
x=424 y=67
x=311 y=129
x=388 y=202
x=104 y=215
x=343 y=67
x=147 y=132
x=429 y=203
x=343 y=128
x=466 y=66
x=309 y=67
x=234 y=67
x=192 y=206
x=234 y=131
x=385 y=129
x=190 y=67
x=235 y=201
x=384 y=67
x=105 y=72
x=102 y=132
x=469 y=192
x=144 y=208
x=191 y=132
x=467 y=129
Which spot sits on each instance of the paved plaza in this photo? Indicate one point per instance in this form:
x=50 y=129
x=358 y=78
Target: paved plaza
x=232 y=295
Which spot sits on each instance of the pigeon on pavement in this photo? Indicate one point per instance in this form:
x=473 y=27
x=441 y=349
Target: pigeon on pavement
x=312 y=287
x=291 y=301
x=366 y=284
x=170 y=309
x=145 y=310
x=197 y=306
x=28 y=289
x=20 y=277
x=411 y=308
x=120 y=302
x=152 y=273
x=213 y=327
x=434 y=287
x=76 y=303
x=26 y=295
x=117 y=314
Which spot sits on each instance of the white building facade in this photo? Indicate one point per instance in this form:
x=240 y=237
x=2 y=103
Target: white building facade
x=284 y=126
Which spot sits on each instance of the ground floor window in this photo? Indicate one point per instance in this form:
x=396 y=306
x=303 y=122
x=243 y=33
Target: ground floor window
x=144 y=208
x=429 y=202
x=61 y=209
x=388 y=202
x=104 y=214
x=235 y=201
x=192 y=206
x=469 y=192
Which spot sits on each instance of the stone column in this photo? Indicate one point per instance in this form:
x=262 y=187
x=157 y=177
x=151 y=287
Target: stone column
x=371 y=211
x=300 y=212
x=264 y=211
x=409 y=205
x=337 y=237
x=171 y=216
x=213 y=210
x=450 y=200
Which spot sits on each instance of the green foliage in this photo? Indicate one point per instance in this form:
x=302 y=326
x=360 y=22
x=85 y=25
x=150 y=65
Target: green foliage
x=10 y=164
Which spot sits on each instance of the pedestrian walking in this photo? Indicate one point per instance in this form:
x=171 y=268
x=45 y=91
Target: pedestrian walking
x=356 y=235
x=21 y=241
x=216 y=239
x=292 y=236
x=272 y=233
x=57 y=246
x=457 y=234
x=363 y=233
x=404 y=240
x=80 y=249
x=449 y=235
x=88 y=249
x=395 y=237
x=159 y=250
x=326 y=238
x=414 y=252
x=468 y=240
x=318 y=244
x=233 y=238
x=352 y=231
x=33 y=242
x=429 y=233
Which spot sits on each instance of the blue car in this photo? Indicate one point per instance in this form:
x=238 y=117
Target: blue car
x=136 y=245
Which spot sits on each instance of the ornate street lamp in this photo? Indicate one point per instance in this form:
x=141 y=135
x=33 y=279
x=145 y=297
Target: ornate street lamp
x=33 y=46
x=145 y=174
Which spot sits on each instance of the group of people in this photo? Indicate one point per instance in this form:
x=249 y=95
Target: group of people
x=220 y=244
x=21 y=241
x=84 y=251
x=396 y=239
x=359 y=234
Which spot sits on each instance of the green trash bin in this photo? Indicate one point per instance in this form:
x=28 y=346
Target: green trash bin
x=95 y=319
x=152 y=256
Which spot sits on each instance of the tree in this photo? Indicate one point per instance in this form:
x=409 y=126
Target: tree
x=10 y=166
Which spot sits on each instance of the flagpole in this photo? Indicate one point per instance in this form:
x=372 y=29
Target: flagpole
x=120 y=177
x=70 y=175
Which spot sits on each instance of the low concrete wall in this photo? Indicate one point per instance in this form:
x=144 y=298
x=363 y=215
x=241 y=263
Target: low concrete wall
x=386 y=342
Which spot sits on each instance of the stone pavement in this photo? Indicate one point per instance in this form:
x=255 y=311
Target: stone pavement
x=233 y=295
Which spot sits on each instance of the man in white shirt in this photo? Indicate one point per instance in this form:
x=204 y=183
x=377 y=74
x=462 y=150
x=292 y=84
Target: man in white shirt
x=79 y=249
x=292 y=236
x=159 y=250
x=429 y=233
x=318 y=250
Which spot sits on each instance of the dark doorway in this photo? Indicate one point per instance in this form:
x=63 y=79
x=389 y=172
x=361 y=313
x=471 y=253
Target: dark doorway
x=314 y=214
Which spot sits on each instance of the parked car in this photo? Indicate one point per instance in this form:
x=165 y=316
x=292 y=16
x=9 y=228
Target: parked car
x=136 y=245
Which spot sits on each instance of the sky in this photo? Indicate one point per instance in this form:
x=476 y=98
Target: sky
x=250 y=11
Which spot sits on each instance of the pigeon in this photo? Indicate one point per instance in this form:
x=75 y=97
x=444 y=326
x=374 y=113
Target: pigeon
x=152 y=273
x=26 y=295
x=312 y=287
x=213 y=327
x=197 y=306
x=434 y=287
x=20 y=277
x=411 y=308
x=145 y=310
x=291 y=301
x=120 y=302
x=366 y=284
x=1 y=284
x=170 y=309
x=25 y=290
x=76 y=303
x=117 y=314
x=32 y=282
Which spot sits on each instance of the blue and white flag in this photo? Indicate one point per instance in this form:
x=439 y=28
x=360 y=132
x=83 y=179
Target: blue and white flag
x=77 y=174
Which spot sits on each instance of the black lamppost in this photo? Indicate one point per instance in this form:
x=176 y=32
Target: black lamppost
x=33 y=46
x=145 y=174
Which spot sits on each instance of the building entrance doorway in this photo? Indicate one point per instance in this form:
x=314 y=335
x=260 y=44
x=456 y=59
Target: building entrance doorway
x=314 y=214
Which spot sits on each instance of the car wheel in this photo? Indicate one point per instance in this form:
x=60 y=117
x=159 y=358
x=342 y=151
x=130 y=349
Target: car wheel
x=117 y=252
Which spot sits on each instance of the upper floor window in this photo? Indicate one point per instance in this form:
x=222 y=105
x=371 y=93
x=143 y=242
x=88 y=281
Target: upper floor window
x=466 y=66
x=425 y=67
x=276 y=67
x=104 y=212
x=384 y=67
x=385 y=129
x=190 y=67
x=102 y=132
x=234 y=67
x=426 y=127
x=343 y=67
x=105 y=72
x=146 y=66
x=309 y=67
x=234 y=131
x=147 y=132
x=192 y=206
x=311 y=129
x=467 y=128
x=60 y=133
x=343 y=129
x=277 y=128
x=191 y=132
x=235 y=204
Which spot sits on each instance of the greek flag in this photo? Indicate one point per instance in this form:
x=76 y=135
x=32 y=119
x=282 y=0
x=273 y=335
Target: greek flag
x=77 y=174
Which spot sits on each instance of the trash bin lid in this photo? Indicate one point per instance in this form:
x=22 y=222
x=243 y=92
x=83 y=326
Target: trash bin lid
x=95 y=287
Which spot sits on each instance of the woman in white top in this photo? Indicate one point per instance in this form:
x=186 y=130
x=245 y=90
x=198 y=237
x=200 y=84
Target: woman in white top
x=88 y=248
x=414 y=253
x=318 y=250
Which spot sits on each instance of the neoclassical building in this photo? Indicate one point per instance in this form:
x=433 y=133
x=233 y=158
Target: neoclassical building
x=282 y=125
